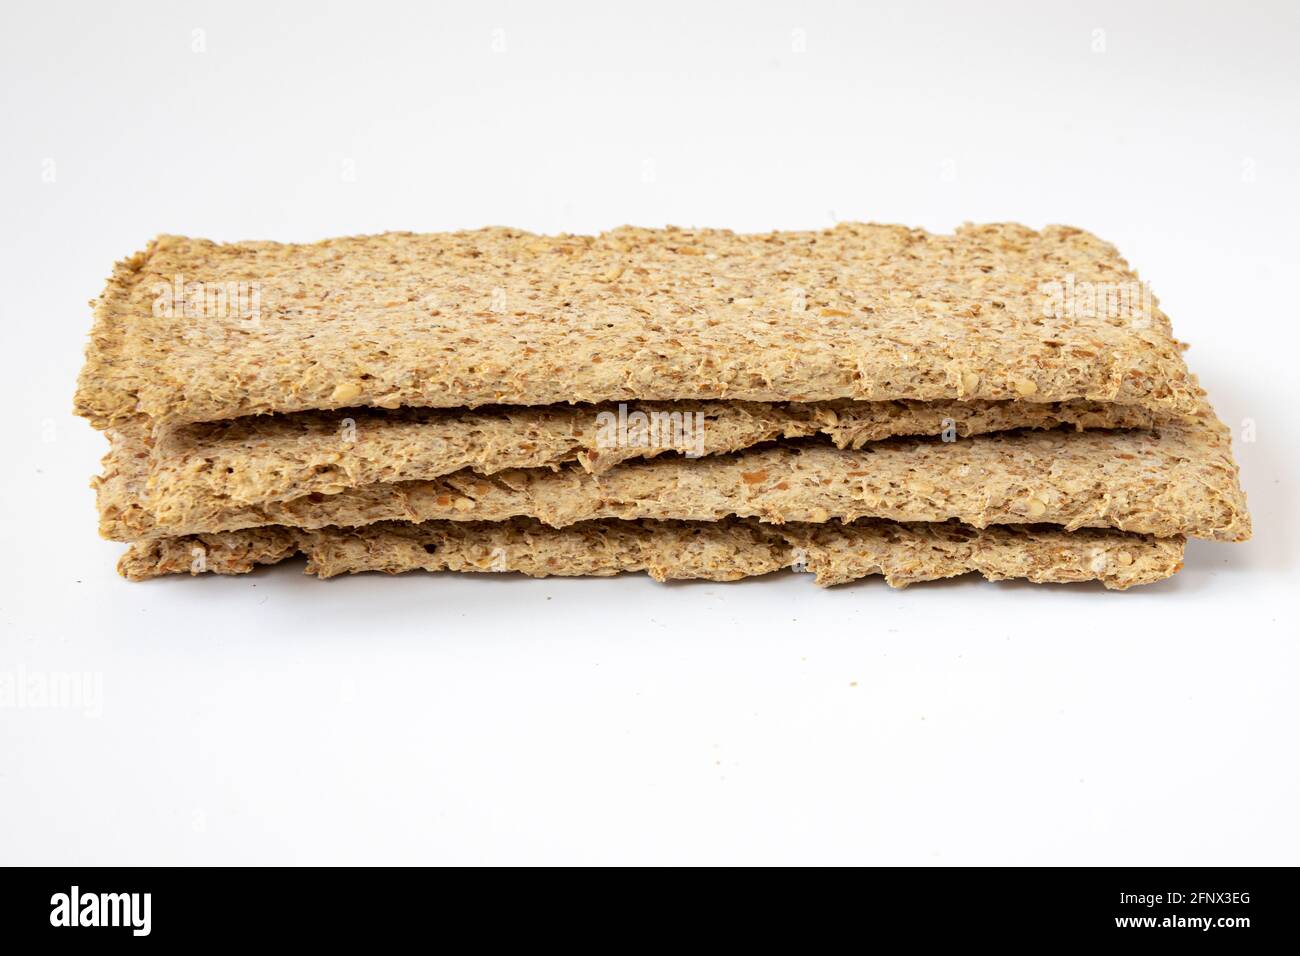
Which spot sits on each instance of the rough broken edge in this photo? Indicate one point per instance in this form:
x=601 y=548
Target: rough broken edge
x=254 y=461
x=718 y=551
x=1178 y=479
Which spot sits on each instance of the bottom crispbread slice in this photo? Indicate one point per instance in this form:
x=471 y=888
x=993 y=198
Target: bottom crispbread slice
x=720 y=551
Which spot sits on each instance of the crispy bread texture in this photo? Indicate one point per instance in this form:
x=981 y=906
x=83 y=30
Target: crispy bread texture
x=190 y=330
x=725 y=550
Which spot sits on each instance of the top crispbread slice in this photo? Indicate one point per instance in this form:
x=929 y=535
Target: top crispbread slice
x=190 y=330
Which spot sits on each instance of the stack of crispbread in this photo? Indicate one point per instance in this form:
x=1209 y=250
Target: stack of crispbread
x=691 y=403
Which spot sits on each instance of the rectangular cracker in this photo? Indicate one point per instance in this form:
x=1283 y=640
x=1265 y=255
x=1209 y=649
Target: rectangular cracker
x=720 y=551
x=1178 y=478
x=253 y=461
x=500 y=316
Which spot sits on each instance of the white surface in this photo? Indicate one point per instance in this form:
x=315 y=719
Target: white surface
x=275 y=718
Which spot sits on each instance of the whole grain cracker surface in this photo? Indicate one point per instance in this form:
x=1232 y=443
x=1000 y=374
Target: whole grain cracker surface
x=864 y=312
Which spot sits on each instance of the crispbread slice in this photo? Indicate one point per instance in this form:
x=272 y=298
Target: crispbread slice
x=864 y=312
x=721 y=551
x=1178 y=478
x=252 y=461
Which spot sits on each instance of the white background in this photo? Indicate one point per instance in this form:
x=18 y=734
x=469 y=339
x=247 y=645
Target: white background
x=275 y=718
